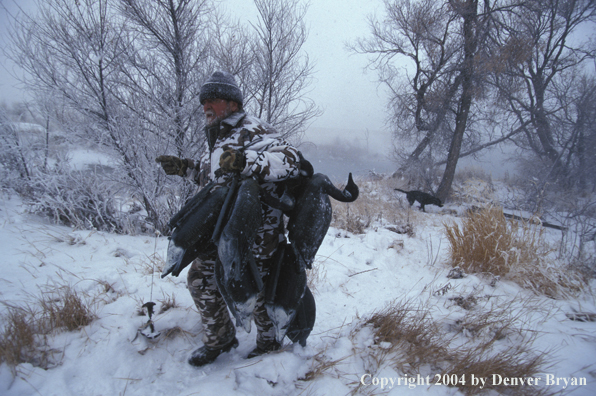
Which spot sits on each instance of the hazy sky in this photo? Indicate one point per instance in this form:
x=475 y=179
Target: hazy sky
x=351 y=99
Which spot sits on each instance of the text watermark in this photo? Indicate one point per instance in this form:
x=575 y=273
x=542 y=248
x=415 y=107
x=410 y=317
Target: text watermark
x=471 y=380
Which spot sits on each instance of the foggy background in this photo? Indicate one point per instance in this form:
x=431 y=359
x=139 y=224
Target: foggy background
x=353 y=102
x=352 y=134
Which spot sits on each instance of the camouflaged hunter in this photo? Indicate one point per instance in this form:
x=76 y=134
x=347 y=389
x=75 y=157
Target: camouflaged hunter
x=237 y=143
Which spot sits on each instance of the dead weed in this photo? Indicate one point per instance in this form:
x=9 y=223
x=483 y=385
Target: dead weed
x=488 y=243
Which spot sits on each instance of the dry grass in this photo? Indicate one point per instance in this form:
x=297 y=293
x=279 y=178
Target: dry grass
x=471 y=172
x=473 y=186
x=167 y=303
x=499 y=341
x=518 y=361
x=18 y=341
x=409 y=341
x=151 y=264
x=489 y=243
x=405 y=333
x=24 y=338
x=316 y=276
x=321 y=365
x=64 y=309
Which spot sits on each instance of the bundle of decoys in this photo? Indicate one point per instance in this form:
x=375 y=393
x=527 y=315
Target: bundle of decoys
x=225 y=219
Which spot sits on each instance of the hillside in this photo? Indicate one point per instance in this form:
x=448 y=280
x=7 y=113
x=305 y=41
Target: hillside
x=392 y=316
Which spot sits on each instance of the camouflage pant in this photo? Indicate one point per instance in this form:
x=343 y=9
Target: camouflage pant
x=217 y=324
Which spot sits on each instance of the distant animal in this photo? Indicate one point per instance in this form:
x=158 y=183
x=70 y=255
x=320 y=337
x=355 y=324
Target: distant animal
x=422 y=198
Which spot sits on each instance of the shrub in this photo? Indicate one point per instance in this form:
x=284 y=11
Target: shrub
x=24 y=337
x=489 y=243
x=76 y=199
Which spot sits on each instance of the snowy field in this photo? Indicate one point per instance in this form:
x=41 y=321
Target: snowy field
x=355 y=276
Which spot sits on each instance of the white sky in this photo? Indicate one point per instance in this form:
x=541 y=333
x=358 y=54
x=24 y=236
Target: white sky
x=352 y=100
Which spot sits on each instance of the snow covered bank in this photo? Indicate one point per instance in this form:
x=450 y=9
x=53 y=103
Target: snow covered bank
x=355 y=277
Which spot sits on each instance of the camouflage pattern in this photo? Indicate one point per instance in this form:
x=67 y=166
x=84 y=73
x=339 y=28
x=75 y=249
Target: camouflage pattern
x=269 y=160
x=270 y=234
x=265 y=328
x=217 y=324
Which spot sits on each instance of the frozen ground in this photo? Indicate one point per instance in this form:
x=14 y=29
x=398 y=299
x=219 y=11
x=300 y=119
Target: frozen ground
x=356 y=276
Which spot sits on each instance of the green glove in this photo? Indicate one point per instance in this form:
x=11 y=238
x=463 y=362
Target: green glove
x=232 y=161
x=173 y=165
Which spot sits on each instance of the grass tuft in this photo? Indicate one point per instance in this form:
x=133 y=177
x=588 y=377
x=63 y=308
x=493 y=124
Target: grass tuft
x=406 y=333
x=24 y=338
x=488 y=243
x=64 y=309
x=167 y=303
x=18 y=340
x=494 y=338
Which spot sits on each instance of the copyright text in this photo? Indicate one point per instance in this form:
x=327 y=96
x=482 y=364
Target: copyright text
x=470 y=380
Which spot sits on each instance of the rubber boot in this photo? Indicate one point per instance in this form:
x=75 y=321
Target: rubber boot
x=263 y=349
x=205 y=355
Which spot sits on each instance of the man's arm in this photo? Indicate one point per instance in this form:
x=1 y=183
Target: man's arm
x=272 y=160
x=173 y=165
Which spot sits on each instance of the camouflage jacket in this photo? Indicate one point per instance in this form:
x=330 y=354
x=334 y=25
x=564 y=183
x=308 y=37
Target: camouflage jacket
x=269 y=159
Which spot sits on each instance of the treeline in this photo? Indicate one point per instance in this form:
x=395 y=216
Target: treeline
x=122 y=77
x=465 y=75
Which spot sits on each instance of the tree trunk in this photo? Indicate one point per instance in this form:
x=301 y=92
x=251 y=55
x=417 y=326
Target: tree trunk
x=436 y=123
x=469 y=12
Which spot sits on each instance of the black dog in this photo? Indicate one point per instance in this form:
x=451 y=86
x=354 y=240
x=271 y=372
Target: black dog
x=422 y=197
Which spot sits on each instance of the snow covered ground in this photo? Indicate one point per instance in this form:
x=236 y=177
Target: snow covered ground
x=356 y=275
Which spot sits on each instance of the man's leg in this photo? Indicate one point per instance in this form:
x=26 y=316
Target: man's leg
x=269 y=236
x=265 y=330
x=219 y=331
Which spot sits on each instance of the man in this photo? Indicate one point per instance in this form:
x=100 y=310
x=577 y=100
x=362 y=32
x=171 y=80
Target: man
x=237 y=143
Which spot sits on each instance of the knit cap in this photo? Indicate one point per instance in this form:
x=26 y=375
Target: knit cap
x=221 y=85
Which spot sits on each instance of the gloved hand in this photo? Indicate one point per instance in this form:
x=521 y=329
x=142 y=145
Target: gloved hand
x=232 y=161
x=173 y=165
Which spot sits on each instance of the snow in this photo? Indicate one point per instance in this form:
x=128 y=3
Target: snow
x=357 y=276
x=83 y=158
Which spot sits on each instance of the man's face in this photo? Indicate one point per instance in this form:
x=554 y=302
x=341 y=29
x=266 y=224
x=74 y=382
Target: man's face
x=217 y=110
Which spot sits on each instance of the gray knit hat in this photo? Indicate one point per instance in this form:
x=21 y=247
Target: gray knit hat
x=221 y=85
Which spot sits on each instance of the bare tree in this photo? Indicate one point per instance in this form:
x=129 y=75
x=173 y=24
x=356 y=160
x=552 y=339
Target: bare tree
x=539 y=61
x=422 y=33
x=14 y=158
x=580 y=121
x=127 y=75
x=72 y=50
x=483 y=73
x=441 y=42
x=282 y=73
x=233 y=50
x=471 y=31
x=83 y=53
x=168 y=58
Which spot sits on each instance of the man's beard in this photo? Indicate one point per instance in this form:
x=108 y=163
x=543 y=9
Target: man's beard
x=228 y=111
